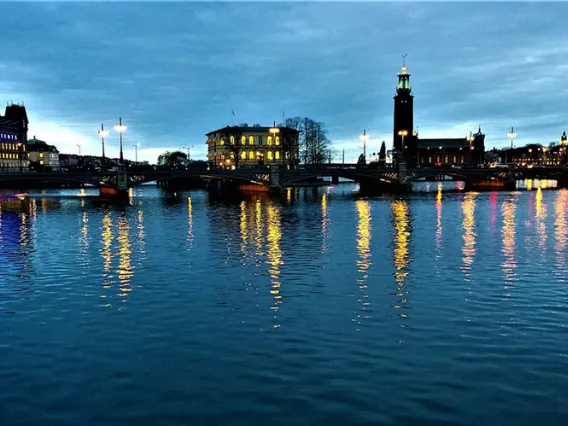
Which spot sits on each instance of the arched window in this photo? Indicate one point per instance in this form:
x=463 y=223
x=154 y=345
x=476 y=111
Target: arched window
x=222 y=141
x=251 y=155
x=277 y=140
x=243 y=140
x=243 y=155
x=269 y=140
x=232 y=139
x=277 y=155
x=251 y=140
x=269 y=155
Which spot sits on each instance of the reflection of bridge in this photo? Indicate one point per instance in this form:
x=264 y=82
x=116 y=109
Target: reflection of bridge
x=275 y=177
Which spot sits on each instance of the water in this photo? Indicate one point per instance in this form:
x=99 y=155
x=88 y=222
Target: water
x=317 y=307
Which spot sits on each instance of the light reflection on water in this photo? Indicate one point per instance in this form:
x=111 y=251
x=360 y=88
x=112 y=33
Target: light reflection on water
x=178 y=305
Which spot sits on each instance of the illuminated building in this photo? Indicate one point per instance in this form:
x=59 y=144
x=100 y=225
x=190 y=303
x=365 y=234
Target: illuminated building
x=535 y=154
x=248 y=146
x=13 y=138
x=422 y=152
x=41 y=155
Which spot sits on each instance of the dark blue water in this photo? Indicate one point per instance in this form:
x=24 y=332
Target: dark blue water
x=313 y=308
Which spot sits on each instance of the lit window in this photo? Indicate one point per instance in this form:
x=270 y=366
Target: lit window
x=277 y=155
x=222 y=141
x=243 y=155
x=232 y=140
x=41 y=163
x=41 y=155
x=251 y=155
x=28 y=155
x=251 y=140
x=269 y=140
x=243 y=140
x=269 y=155
x=277 y=140
x=222 y=156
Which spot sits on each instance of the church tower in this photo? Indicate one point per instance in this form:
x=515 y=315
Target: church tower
x=404 y=119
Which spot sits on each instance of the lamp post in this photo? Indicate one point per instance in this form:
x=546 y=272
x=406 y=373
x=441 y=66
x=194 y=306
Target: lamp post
x=136 y=152
x=103 y=134
x=402 y=133
x=120 y=128
x=79 y=148
x=188 y=153
x=20 y=155
x=512 y=135
x=364 y=138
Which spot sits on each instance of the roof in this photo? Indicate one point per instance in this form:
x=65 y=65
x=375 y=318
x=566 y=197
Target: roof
x=40 y=146
x=251 y=129
x=443 y=142
x=16 y=113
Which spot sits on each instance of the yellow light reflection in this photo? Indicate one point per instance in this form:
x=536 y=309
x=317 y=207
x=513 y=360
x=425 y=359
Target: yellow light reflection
x=274 y=252
x=85 y=231
x=258 y=227
x=560 y=229
x=468 y=223
x=540 y=208
x=529 y=184
x=189 y=220
x=106 y=252
x=324 y=222
x=364 y=253
x=125 y=269
x=24 y=230
x=401 y=251
x=439 y=230
x=508 y=239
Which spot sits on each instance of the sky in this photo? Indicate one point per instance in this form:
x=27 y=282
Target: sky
x=175 y=71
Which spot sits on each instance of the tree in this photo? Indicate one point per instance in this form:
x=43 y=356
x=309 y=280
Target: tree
x=172 y=159
x=232 y=135
x=383 y=154
x=315 y=147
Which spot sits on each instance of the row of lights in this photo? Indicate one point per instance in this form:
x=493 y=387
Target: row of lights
x=120 y=128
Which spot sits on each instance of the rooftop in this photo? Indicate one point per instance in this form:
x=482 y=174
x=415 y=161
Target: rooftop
x=250 y=129
x=443 y=142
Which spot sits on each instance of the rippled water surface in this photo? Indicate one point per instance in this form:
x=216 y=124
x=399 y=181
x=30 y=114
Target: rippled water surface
x=313 y=308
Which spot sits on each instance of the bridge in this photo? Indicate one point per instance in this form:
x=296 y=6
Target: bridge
x=274 y=177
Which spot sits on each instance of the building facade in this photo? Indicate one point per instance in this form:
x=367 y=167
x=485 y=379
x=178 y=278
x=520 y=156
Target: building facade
x=42 y=156
x=251 y=146
x=13 y=138
x=418 y=152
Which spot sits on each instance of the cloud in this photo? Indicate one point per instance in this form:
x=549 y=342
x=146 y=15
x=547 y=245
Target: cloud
x=174 y=71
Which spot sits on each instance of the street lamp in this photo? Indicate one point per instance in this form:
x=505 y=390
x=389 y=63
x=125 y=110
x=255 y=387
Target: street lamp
x=136 y=152
x=364 y=138
x=120 y=128
x=188 y=154
x=79 y=148
x=403 y=133
x=103 y=134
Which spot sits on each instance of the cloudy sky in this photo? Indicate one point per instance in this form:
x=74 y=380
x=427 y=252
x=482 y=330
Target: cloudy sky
x=174 y=71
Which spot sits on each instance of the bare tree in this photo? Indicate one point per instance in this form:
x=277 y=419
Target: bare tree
x=232 y=136
x=315 y=146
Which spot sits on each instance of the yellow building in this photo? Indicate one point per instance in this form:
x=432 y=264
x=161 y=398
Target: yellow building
x=12 y=152
x=41 y=155
x=252 y=146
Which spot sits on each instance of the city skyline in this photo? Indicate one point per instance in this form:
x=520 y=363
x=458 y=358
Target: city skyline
x=174 y=71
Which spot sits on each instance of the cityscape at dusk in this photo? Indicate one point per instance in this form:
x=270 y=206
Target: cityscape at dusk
x=283 y=213
x=174 y=71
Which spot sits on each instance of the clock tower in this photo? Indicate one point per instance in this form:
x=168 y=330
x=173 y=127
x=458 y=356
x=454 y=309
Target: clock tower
x=404 y=120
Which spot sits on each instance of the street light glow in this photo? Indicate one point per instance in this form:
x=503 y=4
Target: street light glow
x=120 y=128
x=102 y=133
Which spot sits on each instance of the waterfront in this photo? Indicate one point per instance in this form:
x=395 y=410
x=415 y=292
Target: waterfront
x=316 y=307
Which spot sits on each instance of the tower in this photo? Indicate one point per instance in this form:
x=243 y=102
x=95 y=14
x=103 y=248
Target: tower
x=404 y=119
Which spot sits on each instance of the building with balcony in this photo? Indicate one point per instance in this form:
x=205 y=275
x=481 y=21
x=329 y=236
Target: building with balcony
x=41 y=155
x=252 y=146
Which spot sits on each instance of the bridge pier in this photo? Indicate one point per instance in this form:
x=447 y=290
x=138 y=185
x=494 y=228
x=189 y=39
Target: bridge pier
x=563 y=181
x=335 y=180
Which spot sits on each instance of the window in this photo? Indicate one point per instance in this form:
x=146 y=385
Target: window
x=222 y=156
x=243 y=140
x=232 y=140
x=41 y=155
x=222 y=141
x=251 y=140
x=260 y=140
x=277 y=140
x=269 y=155
x=243 y=155
x=269 y=140
x=41 y=163
x=455 y=159
x=251 y=155
x=277 y=155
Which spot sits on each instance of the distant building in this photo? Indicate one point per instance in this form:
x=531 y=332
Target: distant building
x=248 y=146
x=13 y=138
x=41 y=155
x=534 y=154
x=415 y=151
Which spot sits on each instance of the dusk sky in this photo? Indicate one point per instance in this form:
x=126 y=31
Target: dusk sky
x=174 y=71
